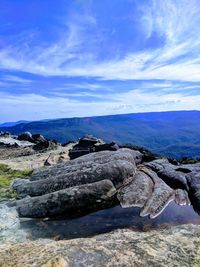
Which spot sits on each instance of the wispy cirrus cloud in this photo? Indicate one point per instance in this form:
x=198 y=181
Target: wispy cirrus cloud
x=174 y=23
x=133 y=56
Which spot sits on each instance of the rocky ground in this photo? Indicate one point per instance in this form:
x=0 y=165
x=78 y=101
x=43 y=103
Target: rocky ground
x=92 y=182
x=29 y=154
x=177 y=246
x=38 y=159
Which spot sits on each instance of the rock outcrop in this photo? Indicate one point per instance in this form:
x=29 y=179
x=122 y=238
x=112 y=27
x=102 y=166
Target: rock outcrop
x=64 y=189
x=96 y=181
x=27 y=145
x=89 y=144
x=174 y=246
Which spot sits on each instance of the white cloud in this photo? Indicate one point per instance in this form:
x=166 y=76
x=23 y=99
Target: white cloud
x=15 y=79
x=75 y=54
x=177 y=21
x=35 y=107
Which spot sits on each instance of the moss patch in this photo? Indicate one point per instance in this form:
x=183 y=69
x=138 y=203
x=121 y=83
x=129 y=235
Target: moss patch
x=7 y=175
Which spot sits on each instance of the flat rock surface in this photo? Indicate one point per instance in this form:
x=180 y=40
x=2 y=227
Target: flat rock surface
x=175 y=246
x=24 y=159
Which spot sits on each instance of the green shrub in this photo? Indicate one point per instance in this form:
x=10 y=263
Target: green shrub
x=7 y=175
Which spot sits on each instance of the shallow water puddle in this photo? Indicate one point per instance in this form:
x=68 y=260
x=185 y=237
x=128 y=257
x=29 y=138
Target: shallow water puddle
x=107 y=220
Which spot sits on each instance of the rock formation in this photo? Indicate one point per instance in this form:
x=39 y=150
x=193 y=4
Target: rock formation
x=104 y=179
x=88 y=144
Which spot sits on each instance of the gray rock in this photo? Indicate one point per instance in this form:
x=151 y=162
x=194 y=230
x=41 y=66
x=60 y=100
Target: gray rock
x=13 y=143
x=151 y=186
x=10 y=226
x=137 y=192
x=172 y=246
x=73 y=200
x=119 y=172
x=27 y=136
x=86 y=161
x=161 y=196
x=169 y=173
x=193 y=180
x=4 y=134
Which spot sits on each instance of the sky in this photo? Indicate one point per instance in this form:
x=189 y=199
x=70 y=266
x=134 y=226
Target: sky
x=71 y=58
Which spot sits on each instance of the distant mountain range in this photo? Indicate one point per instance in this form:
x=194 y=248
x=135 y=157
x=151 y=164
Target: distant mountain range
x=175 y=133
x=9 y=124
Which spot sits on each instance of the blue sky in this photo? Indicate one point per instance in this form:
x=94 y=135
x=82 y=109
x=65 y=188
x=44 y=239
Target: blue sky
x=95 y=57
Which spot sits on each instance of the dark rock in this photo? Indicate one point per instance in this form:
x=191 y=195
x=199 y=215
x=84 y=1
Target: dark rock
x=182 y=169
x=4 y=134
x=76 y=153
x=27 y=136
x=161 y=196
x=73 y=200
x=147 y=155
x=88 y=141
x=44 y=145
x=80 y=185
x=175 y=179
x=87 y=161
x=119 y=172
x=89 y=144
x=193 y=180
x=38 y=138
x=50 y=160
x=112 y=147
x=141 y=185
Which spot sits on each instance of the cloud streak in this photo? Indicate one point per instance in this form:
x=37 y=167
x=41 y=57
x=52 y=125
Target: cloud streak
x=134 y=56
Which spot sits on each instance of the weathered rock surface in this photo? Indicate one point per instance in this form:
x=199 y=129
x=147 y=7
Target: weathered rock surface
x=75 y=200
x=10 y=225
x=119 y=172
x=161 y=196
x=52 y=189
x=185 y=176
x=141 y=185
x=72 y=181
x=85 y=162
x=4 y=134
x=89 y=144
x=24 y=144
x=12 y=142
x=27 y=136
x=158 y=180
x=193 y=180
x=174 y=246
x=96 y=181
x=169 y=173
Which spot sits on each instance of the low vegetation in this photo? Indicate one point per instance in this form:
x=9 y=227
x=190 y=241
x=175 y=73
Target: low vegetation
x=7 y=175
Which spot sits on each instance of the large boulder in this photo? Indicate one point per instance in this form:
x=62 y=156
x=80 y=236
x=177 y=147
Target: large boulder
x=4 y=134
x=38 y=141
x=119 y=172
x=89 y=144
x=27 y=136
x=45 y=145
x=71 y=201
